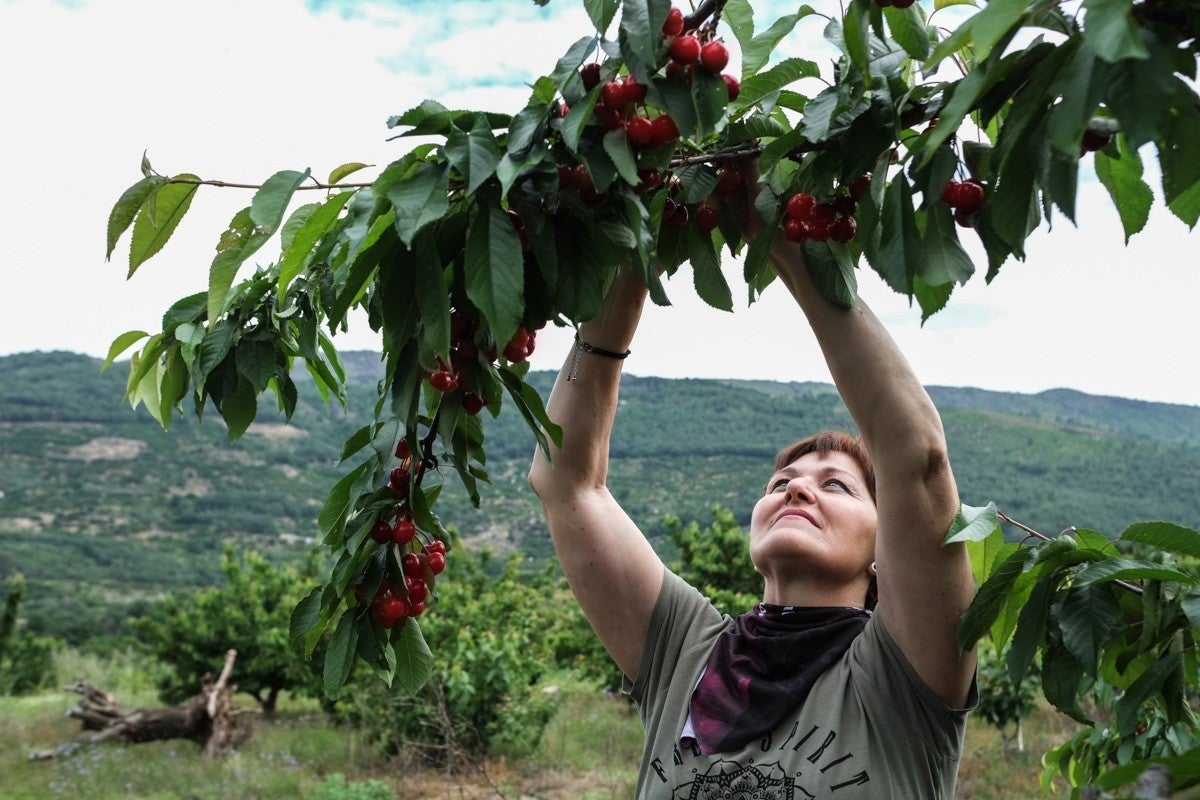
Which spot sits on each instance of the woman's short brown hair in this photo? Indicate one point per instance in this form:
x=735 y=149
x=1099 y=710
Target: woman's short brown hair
x=831 y=442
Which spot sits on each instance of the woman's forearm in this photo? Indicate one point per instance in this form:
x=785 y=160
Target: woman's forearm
x=584 y=399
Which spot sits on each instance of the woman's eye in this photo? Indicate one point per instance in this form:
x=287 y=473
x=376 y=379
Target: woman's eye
x=777 y=484
x=835 y=483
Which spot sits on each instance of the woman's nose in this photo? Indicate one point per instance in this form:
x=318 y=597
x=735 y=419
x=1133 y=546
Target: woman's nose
x=799 y=488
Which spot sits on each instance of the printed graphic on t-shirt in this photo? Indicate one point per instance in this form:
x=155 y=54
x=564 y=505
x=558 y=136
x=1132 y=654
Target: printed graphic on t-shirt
x=808 y=765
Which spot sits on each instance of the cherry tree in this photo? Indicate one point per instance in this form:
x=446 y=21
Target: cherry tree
x=936 y=122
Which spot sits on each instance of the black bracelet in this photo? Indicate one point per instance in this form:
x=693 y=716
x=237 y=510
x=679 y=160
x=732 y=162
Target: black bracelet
x=600 y=351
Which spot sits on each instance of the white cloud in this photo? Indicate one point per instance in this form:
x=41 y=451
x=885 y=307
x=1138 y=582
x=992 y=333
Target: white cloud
x=236 y=91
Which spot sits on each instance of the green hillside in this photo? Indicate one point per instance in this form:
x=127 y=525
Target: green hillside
x=101 y=509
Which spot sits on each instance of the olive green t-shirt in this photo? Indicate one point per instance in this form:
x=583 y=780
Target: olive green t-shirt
x=870 y=727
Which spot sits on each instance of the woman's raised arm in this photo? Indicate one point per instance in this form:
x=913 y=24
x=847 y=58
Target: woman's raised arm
x=611 y=567
x=924 y=587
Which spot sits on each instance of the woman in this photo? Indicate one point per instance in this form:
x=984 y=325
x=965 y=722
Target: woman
x=810 y=695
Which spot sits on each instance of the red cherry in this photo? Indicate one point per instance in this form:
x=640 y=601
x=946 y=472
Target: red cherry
x=436 y=546
x=685 y=49
x=418 y=590
x=403 y=531
x=398 y=481
x=411 y=564
x=416 y=609
x=733 y=85
x=610 y=118
x=820 y=231
x=728 y=180
x=823 y=214
x=902 y=3
x=640 y=131
x=674 y=24
x=651 y=179
x=389 y=610
x=713 y=57
x=843 y=229
x=613 y=94
x=800 y=206
x=443 y=380
x=950 y=193
x=635 y=92
x=381 y=531
x=858 y=186
x=844 y=205
x=436 y=563
x=796 y=231
x=665 y=130
x=675 y=214
x=563 y=109
x=970 y=196
x=581 y=178
x=707 y=218
x=402 y=449
x=1093 y=141
x=472 y=403
x=591 y=76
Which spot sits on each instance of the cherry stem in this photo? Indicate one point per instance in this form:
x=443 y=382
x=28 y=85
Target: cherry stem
x=706 y=9
x=1034 y=534
x=233 y=185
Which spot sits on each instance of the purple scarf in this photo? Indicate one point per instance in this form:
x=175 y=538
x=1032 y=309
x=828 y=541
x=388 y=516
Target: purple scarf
x=762 y=669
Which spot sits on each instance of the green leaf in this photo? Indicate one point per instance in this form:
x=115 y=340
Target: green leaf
x=993 y=23
x=1109 y=27
x=756 y=88
x=414 y=661
x=127 y=206
x=270 y=202
x=339 y=172
x=899 y=250
x=1122 y=177
x=529 y=403
x=833 y=276
x=1165 y=536
x=1115 y=569
x=241 y=240
x=990 y=599
x=337 y=505
x=739 y=16
x=1087 y=619
x=420 y=199
x=908 y=29
x=1179 y=152
x=601 y=12
x=306 y=237
x=120 y=345
x=931 y=299
x=495 y=270
x=856 y=35
x=1031 y=627
x=474 y=154
x=973 y=524
x=158 y=217
x=339 y=656
x=238 y=408
x=945 y=261
x=641 y=28
x=432 y=295
x=1061 y=679
x=1140 y=93
x=305 y=616
x=1143 y=689
x=706 y=271
x=757 y=53
x=616 y=144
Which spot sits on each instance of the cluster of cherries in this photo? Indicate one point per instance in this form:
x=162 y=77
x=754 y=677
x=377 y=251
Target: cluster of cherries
x=965 y=198
x=622 y=106
x=464 y=352
x=807 y=219
x=420 y=563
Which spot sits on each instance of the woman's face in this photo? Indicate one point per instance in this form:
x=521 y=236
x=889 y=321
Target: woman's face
x=816 y=523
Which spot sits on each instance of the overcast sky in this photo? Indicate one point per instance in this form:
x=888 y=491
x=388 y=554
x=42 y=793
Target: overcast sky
x=239 y=90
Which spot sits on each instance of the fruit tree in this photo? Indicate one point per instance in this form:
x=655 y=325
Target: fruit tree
x=935 y=121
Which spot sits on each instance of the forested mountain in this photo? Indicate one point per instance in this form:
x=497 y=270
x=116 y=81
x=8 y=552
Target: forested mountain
x=100 y=508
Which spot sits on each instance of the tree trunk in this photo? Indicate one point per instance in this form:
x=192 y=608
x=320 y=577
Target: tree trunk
x=209 y=718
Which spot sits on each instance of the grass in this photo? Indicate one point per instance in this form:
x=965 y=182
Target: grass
x=590 y=751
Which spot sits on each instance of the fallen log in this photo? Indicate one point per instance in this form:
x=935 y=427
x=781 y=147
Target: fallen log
x=209 y=718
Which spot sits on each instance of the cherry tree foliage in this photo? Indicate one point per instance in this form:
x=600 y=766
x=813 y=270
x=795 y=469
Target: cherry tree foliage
x=933 y=124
